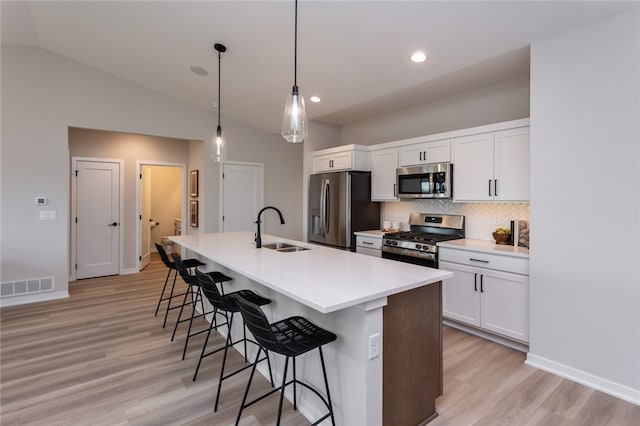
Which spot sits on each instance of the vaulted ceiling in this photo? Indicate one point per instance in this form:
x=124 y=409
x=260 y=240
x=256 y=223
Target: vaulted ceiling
x=352 y=54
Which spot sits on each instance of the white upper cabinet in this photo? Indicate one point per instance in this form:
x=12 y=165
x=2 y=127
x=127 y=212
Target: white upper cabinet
x=492 y=166
x=348 y=157
x=511 y=154
x=425 y=153
x=384 y=163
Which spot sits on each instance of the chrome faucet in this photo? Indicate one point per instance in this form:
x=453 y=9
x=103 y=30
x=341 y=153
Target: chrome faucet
x=258 y=236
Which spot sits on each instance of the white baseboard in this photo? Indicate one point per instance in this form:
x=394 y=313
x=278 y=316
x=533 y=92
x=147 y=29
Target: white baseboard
x=129 y=271
x=33 y=298
x=596 y=382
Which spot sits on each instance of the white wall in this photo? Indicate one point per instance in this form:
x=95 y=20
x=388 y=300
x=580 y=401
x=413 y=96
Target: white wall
x=43 y=94
x=508 y=100
x=585 y=205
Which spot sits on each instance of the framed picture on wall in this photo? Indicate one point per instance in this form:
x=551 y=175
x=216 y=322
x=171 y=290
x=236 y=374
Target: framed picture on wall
x=193 y=213
x=193 y=183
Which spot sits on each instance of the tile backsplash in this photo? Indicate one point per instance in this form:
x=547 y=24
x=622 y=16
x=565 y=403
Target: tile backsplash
x=480 y=217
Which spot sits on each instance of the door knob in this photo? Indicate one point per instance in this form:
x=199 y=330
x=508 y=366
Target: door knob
x=113 y=224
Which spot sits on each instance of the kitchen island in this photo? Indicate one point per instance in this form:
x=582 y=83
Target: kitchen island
x=386 y=365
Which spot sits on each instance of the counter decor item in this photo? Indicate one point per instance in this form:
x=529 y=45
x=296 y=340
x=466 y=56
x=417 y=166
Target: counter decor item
x=523 y=234
x=502 y=236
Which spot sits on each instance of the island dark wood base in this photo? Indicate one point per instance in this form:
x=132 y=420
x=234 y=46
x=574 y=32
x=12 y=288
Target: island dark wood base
x=412 y=356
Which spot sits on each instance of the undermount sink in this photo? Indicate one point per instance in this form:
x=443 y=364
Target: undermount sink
x=283 y=247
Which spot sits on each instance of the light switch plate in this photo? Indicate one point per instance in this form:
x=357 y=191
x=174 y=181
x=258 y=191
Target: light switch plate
x=48 y=215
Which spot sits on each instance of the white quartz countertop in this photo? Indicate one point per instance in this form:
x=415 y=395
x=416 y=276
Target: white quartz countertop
x=323 y=278
x=486 y=247
x=376 y=233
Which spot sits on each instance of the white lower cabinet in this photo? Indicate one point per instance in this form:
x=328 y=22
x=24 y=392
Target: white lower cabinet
x=369 y=245
x=492 y=300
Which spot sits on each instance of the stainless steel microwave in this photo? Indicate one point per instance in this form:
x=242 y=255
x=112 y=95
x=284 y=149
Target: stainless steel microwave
x=427 y=181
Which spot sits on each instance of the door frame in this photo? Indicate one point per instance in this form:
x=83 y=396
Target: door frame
x=183 y=207
x=74 y=211
x=221 y=187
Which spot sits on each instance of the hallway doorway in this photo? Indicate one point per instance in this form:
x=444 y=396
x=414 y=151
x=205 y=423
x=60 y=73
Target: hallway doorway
x=161 y=198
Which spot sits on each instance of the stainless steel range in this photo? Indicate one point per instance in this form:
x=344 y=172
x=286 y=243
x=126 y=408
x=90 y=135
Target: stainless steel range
x=418 y=246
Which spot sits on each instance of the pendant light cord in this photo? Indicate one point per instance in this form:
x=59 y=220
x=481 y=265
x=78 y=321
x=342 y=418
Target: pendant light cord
x=219 y=79
x=295 y=49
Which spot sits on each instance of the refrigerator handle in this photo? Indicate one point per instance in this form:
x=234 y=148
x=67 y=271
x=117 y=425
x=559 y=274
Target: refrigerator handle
x=327 y=207
x=322 y=207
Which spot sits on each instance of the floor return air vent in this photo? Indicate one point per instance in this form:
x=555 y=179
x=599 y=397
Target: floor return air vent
x=28 y=286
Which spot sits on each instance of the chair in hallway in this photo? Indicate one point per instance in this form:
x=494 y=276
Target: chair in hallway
x=188 y=263
x=193 y=289
x=290 y=337
x=226 y=306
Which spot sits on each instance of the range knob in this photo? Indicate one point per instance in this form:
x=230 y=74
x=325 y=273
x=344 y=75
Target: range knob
x=395 y=243
x=418 y=246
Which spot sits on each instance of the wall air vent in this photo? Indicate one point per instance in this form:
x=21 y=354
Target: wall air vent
x=27 y=286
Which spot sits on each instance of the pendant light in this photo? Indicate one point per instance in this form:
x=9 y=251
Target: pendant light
x=294 y=123
x=216 y=143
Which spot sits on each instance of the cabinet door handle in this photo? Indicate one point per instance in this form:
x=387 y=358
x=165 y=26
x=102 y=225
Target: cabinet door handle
x=395 y=194
x=495 y=187
x=424 y=155
x=478 y=260
x=475 y=282
x=481 y=284
x=420 y=155
x=489 y=187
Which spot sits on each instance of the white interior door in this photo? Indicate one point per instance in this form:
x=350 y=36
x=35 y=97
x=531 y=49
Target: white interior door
x=242 y=195
x=97 y=219
x=145 y=216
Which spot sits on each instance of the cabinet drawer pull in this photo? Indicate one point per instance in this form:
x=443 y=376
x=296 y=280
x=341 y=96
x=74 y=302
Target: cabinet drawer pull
x=478 y=260
x=367 y=242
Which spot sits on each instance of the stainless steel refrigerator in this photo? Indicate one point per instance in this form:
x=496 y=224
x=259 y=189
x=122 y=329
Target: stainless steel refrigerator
x=339 y=205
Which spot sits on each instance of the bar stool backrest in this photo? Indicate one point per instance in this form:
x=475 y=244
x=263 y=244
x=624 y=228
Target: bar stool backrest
x=163 y=256
x=186 y=276
x=258 y=324
x=210 y=290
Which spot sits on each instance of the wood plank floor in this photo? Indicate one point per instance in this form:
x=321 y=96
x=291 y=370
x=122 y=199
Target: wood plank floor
x=102 y=358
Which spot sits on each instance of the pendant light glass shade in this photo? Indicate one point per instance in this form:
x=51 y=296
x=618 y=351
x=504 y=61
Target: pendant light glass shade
x=294 y=122
x=217 y=145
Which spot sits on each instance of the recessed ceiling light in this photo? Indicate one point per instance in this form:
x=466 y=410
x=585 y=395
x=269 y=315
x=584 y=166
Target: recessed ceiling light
x=199 y=70
x=418 y=57
x=315 y=99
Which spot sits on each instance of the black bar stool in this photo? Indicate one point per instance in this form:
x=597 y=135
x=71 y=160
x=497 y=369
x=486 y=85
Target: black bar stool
x=225 y=305
x=289 y=337
x=188 y=263
x=192 y=282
